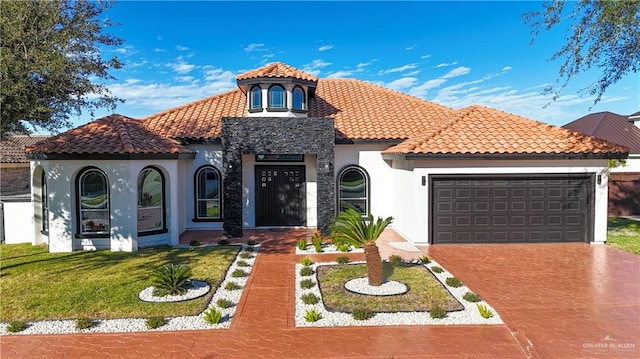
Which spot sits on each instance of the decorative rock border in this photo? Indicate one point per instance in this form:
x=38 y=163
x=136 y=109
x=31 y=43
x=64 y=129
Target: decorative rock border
x=196 y=290
x=361 y=286
x=327 y=249
x=194 y=322
x=468 y=316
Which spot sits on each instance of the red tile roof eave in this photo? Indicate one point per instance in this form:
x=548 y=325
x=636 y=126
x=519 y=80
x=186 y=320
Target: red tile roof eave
x=109 y=156
x=391 y=155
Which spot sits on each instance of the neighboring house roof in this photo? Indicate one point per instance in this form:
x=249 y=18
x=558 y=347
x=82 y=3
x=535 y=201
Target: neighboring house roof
x=12 y=147
x=611 y=127
x=479 y=130
x=361 y=111
x=277 y=70
x=114 y=135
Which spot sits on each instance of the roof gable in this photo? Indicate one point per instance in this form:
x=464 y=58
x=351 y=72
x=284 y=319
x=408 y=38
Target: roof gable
x=12 y=147
x=276 y=70
x=609 y=126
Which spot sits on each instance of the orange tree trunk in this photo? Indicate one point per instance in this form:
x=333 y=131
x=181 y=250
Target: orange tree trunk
x=374 y=264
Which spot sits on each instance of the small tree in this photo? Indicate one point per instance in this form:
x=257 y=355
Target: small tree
x=350 y=226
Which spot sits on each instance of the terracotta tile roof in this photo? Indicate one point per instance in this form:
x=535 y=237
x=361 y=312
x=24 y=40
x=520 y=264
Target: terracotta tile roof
x=482 y=130
x=361 y=111
x=114 y=134
x=609 y=126
x=276 y=70
x=12 y=147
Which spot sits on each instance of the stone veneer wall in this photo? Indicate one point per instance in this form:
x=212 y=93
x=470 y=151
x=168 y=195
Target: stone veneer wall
x=282 y=135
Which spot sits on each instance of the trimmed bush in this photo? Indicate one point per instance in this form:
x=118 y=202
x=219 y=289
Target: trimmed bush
x=242 y=263
x=306 y=271
x=342 y=260
x=362 y=314
x=312 y=316
x=453 y=282
x=155 y=322
x=171 y=280
x=302 y=244
x=425 y=260
x=83 y=323
x=471 y=297
x=395 y=260
x=224 y=303
x=246 y=255
x=212 y=316
x=252 y=242
x=309 y=298
x=16 y=327
x=436 y=269
x=343 y=247
x=223 y=242
x=231 y=286
x=306 y=261
x=239 y=273
x=307 y=283
x=437 y=312
x=485 y=312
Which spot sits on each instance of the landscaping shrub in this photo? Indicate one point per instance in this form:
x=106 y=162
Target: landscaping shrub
x=425 y=260
x=471 y=297
x=484 y=311
x=242 y=263
x=223 y=242
x=252 y=242
x=316 y=240
x=212 y=316
x=309 y=298
x=306 y=271
x=246 y=255
x=231 y=286
x=155 y=322
x=83 y=323
x=239 y=273
x=194 y=243
x=306 y=261
x=171 y=280
x=437 y=312
x=312 y=316
x=343 y=247
x=302 y=244
x=395 y=260
x=342 y=260
x=224 y=303
x=15 y=327
x=362 y=314
x=436 y=269
x=453 y=282
x=307 y=283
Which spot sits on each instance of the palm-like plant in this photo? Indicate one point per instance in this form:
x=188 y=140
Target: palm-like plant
x=350 y=226
x=171 y=279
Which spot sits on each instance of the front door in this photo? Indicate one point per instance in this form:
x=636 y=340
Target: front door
x=280 y=196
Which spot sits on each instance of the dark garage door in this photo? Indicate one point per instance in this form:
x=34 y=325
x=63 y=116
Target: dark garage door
x=473 y=209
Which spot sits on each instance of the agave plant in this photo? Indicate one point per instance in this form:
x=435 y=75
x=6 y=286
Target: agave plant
x=171 y=279
x=350 y=226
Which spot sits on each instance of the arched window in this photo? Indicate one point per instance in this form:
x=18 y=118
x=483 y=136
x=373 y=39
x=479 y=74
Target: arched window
x=44 y=206
x=151 y=215
x=276 y=97
x=208 y=193
x=256 y=98
x=93 y=203
x=298 y=102
x=353 y=189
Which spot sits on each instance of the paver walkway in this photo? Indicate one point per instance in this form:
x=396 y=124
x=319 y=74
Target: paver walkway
x=555 y=299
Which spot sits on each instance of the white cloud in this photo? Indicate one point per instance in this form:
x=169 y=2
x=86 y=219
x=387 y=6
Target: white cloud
x=219 y=75
x=315 y=66
x=325 y=48
x=182 y=48
x=190 y=79
x=182 y=67
x=157 y=49
x=409 y=48
x=402 y=83
x=412 y=73
x=255 y=47
x=398 y=69
x=425 y=56
x=458 y=71
x=445 y=64
x=340 y=74
x=507 y=68
x=363 y=64
x=422 y=90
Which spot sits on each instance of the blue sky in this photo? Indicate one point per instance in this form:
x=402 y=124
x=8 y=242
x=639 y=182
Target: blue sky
x=453 y=53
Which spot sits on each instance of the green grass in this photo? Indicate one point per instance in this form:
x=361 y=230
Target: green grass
x=624 y=234
x=424 y=289
x=39 y=285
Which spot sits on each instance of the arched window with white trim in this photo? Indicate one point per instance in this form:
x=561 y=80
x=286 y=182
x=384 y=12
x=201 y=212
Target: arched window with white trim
x=353 y=189
x=93 y=203
x=256 y=98
x=151 y=201
x=208 y=194
x=297 y=101
x=277 y=98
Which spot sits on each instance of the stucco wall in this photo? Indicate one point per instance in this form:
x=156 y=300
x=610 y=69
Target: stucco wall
x=207 y=155
x=18 y=219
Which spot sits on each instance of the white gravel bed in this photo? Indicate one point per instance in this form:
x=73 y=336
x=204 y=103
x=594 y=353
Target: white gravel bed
x=404 y=246
x=196 y=290
x=326 y=249
x=195 y=322
x=468 y=316
x=389 y=287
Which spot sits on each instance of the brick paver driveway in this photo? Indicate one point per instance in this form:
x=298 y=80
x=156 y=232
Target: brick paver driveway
x=560 y=300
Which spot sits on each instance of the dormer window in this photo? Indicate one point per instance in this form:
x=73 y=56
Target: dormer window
x=276 y=97
x=256 y=98
x=298 y=102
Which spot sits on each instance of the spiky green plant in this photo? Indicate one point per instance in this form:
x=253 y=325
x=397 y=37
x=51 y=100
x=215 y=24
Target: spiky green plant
x=351 y=227
x=171 y=279
x=484 y=311
x=306 y=261
x=302 y=244
x=312 y=316
x=155 y=322
x=212 y=316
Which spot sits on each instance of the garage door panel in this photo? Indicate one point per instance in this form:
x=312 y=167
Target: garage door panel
x=553 y=208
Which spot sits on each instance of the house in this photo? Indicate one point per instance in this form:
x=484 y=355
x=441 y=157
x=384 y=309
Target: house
x=16 y=211
x=288 y=149
x=624 y=180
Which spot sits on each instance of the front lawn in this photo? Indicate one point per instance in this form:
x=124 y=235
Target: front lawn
x=38 y=285
x=424 y=290
x=624 y=234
